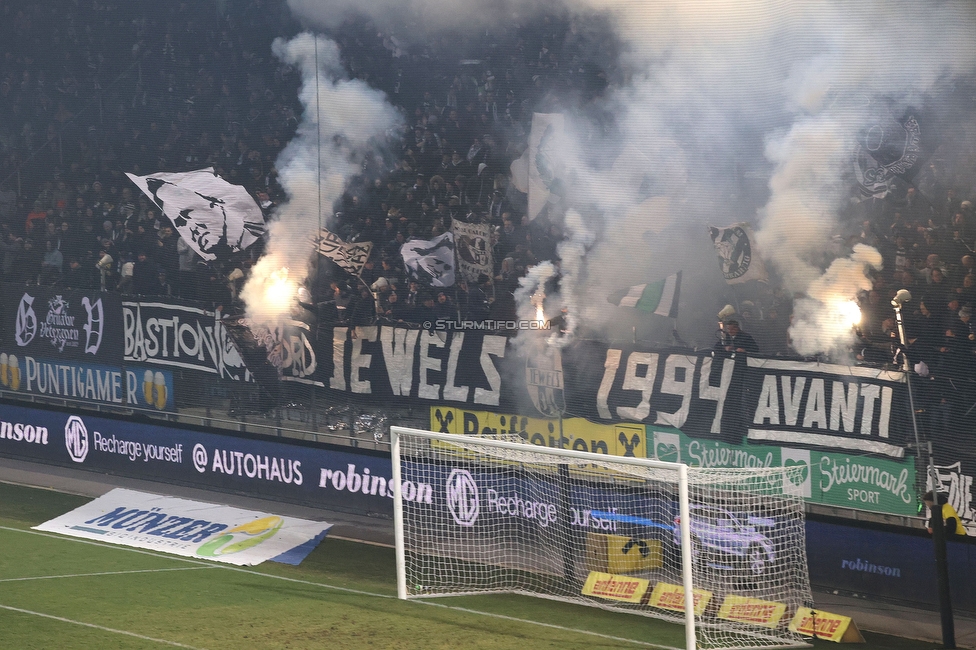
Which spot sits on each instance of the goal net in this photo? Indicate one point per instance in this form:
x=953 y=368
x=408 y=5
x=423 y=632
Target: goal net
x=626 y=534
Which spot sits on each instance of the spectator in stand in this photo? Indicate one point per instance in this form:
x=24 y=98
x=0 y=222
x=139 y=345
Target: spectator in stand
x=735 y=340
x=51 y=265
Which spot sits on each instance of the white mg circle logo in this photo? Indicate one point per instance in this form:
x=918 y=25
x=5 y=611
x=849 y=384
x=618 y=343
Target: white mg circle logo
x=76 y=438
x=462 y=497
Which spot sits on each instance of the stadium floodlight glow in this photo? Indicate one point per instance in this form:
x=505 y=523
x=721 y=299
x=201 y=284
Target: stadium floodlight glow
x=627 y=534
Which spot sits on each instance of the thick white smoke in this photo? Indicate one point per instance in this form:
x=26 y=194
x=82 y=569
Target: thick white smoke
x=824 y=319
x=704 y=94
x=340 y=124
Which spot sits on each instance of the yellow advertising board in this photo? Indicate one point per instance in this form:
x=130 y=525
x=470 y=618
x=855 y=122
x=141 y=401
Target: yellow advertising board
x=672 y=597
x=621 y=554
x=764 y=613
x=577 y=433
x=614 y=587
x=827 y=626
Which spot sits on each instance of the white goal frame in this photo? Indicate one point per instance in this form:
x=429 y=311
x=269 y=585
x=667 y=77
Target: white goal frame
x=683 y=504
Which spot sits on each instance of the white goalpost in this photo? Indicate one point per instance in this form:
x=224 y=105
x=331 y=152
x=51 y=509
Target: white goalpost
x=621 y=533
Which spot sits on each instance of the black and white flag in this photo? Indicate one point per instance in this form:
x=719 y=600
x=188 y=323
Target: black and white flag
x=885 y=150
x=208 y=212
x=737 y=254
x=473 y=242
x=430 y=261
x=349 y=257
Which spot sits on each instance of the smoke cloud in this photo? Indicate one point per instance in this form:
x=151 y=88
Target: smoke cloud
x=342 y=121
x=722 y=111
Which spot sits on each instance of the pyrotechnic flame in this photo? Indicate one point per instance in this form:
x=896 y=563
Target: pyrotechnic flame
x=538 y=299
x=849 y=313
x=279 y=292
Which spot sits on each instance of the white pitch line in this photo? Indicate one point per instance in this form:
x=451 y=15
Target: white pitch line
x=98 y=627
x=347 y=590
x=104 y=573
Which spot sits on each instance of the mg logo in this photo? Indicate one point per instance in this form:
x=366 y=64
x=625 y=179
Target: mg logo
x=76 y=439
x=462 y=497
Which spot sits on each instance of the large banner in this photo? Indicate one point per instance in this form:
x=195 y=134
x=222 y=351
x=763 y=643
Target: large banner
x=858 y=482
x=397 y=362
x=854 y=409
x=58 y=325
x=323 y=477
x=190 y=528
x=179 y=335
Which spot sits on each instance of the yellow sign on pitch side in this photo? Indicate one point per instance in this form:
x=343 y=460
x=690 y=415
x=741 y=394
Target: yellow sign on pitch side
x=614 y=587
x=754 y=611
x=827 y=626
x=672 y=597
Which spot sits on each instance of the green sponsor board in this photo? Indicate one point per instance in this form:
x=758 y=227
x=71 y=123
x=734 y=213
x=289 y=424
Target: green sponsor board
x=850 y=481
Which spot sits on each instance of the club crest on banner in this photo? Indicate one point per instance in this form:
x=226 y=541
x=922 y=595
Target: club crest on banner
x=544 y=380
x=885 y=150
x=737 y=256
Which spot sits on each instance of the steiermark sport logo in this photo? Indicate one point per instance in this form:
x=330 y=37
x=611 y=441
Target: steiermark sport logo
x=462 y=497
x=796 y=481
x=76 y=438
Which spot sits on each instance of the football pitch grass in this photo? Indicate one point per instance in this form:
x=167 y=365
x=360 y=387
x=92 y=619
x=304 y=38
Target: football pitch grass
x=64 y=593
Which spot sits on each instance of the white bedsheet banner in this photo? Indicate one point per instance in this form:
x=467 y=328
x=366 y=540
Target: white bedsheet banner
x=190 y=528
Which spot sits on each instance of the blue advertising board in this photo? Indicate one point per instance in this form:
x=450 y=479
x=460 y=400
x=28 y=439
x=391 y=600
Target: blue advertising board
x=889 y=564
x=324 y=477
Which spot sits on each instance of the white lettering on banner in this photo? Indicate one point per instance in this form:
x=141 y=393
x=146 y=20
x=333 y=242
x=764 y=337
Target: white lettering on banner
x=678 y=372
x=832 y=474
x=19 y=432
x=256 y=466
x=708 y=454
x=398 y=346
x=359 y=361
x=338 y=379
x=959 y=487
x=66 y=380
x=186 y=337
x=136 y=450
x=515 y=506
x=349 y=480
x=585 y=519
x=718 y=393
x=288 y=349
x=839 y=413
x=429 y=364
x=402 y=351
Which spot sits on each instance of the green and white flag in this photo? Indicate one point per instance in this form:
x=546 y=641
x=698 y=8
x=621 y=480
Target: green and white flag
x=656 y=298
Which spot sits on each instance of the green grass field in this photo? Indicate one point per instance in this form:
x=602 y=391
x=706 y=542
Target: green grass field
x=58 y=592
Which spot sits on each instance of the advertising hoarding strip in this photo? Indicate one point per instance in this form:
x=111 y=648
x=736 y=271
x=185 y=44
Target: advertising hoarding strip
x=819 y=439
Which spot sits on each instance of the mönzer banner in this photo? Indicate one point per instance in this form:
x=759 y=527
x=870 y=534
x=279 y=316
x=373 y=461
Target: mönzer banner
x=190 y=528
